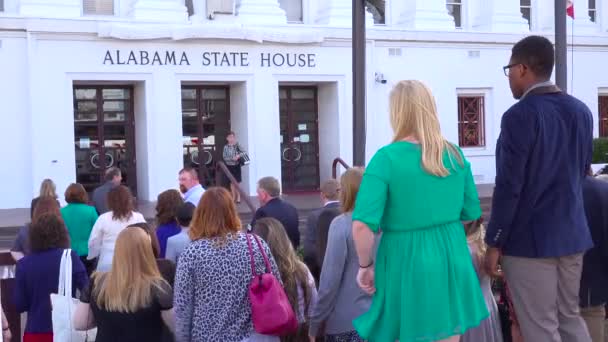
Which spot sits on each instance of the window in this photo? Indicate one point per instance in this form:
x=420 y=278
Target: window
x=377 y=9
x=603 y=115
x=293 y=10
x=526 y=7
x=455 y=10
x=1 y=5
x=98 y=7
x=217 y=7
x=190 y=7
x=592 y=10
x=471 y=121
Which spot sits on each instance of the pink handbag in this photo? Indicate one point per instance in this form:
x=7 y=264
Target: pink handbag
x=270 y=309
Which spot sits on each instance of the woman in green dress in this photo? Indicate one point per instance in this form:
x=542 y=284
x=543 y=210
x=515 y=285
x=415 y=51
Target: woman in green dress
x=417 y=190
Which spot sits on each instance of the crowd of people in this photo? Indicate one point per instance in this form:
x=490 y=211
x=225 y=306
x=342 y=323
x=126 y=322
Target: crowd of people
x=398 y=252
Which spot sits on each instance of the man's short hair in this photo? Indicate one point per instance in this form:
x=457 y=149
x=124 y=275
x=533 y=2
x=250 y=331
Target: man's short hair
x=270 y=185
x=537 y=53
x=331 y=189
x=185 y=213
x=191 y=171
x=111 y=173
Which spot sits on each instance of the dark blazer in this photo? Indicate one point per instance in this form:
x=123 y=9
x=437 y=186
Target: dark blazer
x=310 y=239
x=594 y=279
x=542 y=156
x=100 y=197
x=286 y=213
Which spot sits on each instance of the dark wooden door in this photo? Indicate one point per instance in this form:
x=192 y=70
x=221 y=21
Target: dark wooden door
x=299 y=138
x=104 y=132
x=205 y=124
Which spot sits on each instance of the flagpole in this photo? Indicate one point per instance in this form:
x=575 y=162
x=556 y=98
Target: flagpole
x=561 y=45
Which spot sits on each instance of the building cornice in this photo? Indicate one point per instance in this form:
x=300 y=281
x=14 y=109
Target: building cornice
x=127 y=29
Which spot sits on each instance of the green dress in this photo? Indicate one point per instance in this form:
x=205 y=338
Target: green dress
x=79 y=220
x=426 y=286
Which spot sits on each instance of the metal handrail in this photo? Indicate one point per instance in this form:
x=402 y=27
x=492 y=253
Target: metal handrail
x=334 y=167
x=8 y=286
x=221 y=166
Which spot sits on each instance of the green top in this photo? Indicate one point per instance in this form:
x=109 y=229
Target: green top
x=397 y=194
x=426 y=286
x=79 y=220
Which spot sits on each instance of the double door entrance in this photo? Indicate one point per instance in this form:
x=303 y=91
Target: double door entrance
x=104 y=131
x=299 y=138
x=205 y=125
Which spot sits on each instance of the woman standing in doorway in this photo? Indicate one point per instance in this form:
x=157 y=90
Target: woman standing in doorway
x=232 y=155
x=417 y=189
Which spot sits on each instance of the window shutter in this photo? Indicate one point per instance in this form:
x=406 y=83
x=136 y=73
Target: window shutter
x=98 y=7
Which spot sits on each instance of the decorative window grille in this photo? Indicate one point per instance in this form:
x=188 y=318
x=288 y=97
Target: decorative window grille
x=603 y=115
x=471 y=121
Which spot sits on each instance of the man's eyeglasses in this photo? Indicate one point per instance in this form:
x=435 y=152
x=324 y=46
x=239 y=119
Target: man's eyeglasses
x=506 y=68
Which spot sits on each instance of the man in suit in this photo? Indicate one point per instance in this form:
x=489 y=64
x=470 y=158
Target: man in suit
x=330 y=190
x=113 y=177
x=594 y=279
x=269 y=192
x=538 y=221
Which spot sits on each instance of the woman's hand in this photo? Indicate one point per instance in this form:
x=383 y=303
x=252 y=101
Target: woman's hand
x=237 y=157
x=491 y=260
x=365 y=280
x=6 y=335
x=312 y=338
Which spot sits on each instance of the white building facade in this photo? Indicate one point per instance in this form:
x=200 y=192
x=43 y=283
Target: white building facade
x=152 y=86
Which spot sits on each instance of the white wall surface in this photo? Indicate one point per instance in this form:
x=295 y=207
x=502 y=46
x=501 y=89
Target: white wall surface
x=16 y=188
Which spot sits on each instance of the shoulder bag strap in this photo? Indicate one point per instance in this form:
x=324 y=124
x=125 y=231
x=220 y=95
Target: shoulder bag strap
x=61 y=282
x=251 y=257
x=68 y=273
x=268 y=268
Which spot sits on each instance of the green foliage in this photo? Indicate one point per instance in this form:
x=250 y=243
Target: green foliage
x=600 y=151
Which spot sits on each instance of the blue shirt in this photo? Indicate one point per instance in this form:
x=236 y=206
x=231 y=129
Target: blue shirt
x=194 y=194
x=36 y=277
x=542 y=157
x=163 y=233
x=176 y=245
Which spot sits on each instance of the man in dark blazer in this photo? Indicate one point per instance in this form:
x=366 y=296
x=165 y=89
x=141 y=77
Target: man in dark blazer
x=269 y=192
x=330 y=191
x=594 y=280
x=538 y=221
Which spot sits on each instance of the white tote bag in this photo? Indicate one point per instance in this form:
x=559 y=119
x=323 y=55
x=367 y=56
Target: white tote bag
x=64 y=306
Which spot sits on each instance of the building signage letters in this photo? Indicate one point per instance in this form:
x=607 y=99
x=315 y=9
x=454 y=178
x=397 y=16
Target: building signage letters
x=210 y=59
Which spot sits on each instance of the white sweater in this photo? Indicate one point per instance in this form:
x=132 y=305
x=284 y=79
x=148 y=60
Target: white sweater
x=103 y=238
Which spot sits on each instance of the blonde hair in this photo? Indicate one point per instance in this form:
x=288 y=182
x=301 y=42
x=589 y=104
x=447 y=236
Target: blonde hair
x=413 y=112
x=48 y=189
x=476 y=233
x=293 y=272
x=349 y=184
x=128 y=286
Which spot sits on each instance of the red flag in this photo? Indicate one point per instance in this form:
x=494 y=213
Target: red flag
x=570 y=8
